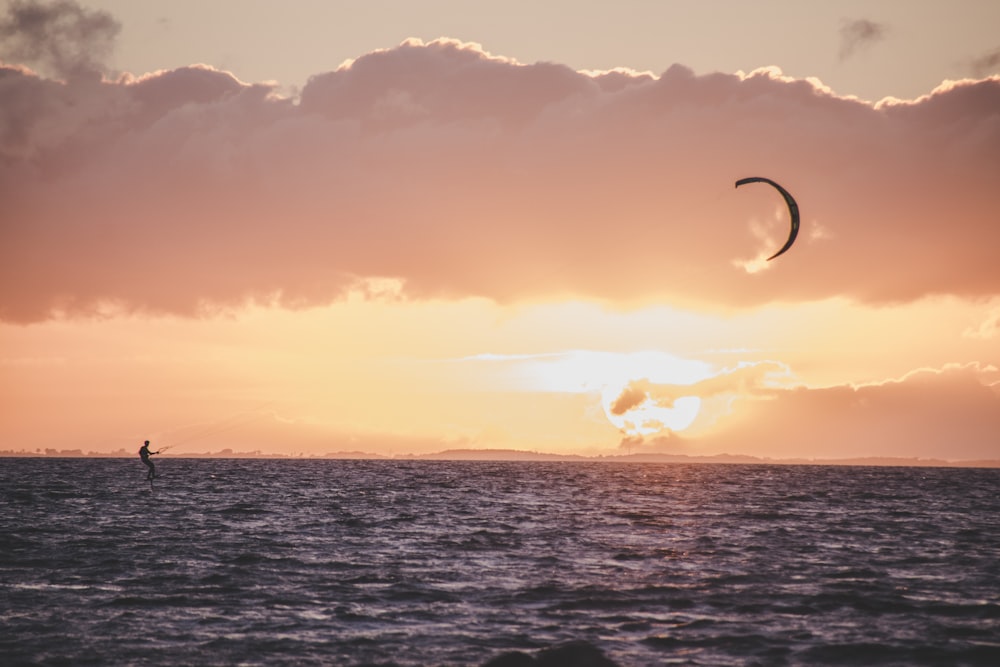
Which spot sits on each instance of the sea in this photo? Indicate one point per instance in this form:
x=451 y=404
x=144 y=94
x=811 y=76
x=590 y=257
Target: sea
x=584 y=564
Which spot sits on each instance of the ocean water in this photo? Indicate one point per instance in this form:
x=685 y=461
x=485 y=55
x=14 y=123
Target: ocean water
x=322 y=562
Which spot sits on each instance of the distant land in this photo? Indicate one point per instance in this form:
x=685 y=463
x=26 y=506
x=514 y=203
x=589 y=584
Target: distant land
x=522 y=455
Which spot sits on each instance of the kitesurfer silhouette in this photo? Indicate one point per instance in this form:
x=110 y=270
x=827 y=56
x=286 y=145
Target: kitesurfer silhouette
x=144 y=454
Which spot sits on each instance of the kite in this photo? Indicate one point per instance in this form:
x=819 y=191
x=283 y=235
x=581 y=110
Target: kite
x=793 y=209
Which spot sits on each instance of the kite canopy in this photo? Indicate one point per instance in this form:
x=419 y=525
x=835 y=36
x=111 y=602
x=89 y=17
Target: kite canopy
x=793 y=209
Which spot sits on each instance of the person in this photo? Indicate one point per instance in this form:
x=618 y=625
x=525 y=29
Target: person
x=144 y=454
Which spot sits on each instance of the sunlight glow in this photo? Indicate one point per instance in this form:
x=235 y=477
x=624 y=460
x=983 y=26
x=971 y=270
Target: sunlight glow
x=578 y=371
x=649 y=417
x=608 y=373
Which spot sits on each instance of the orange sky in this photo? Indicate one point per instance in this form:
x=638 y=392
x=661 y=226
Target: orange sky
x=435 y=246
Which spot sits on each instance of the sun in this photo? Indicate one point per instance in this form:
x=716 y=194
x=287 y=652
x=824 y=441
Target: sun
x=649 y=417
x=609 y=373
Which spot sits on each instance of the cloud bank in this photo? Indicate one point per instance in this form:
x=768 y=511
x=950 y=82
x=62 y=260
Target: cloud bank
x=460 y=173
x=951 y=413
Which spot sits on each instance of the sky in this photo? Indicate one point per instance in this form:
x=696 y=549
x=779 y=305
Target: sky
x=401 y=227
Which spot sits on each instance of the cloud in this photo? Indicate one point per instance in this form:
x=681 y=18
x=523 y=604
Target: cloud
x=926 y=413
x=988 y=63
x=664 y=443
x=460 y=173
x=858 y=34
x=989 y=327
x=745 y=378
x=59 y=37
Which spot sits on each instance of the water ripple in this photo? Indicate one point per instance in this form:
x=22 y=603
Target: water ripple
x=431 y=563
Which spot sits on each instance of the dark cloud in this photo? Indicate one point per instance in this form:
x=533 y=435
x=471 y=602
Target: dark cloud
x=987 y=64
x=60 y=37
x=858 y=34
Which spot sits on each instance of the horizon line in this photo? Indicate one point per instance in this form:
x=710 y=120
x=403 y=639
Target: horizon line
x=519 y=455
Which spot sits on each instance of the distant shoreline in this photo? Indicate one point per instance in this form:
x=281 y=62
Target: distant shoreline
x=522 y=455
